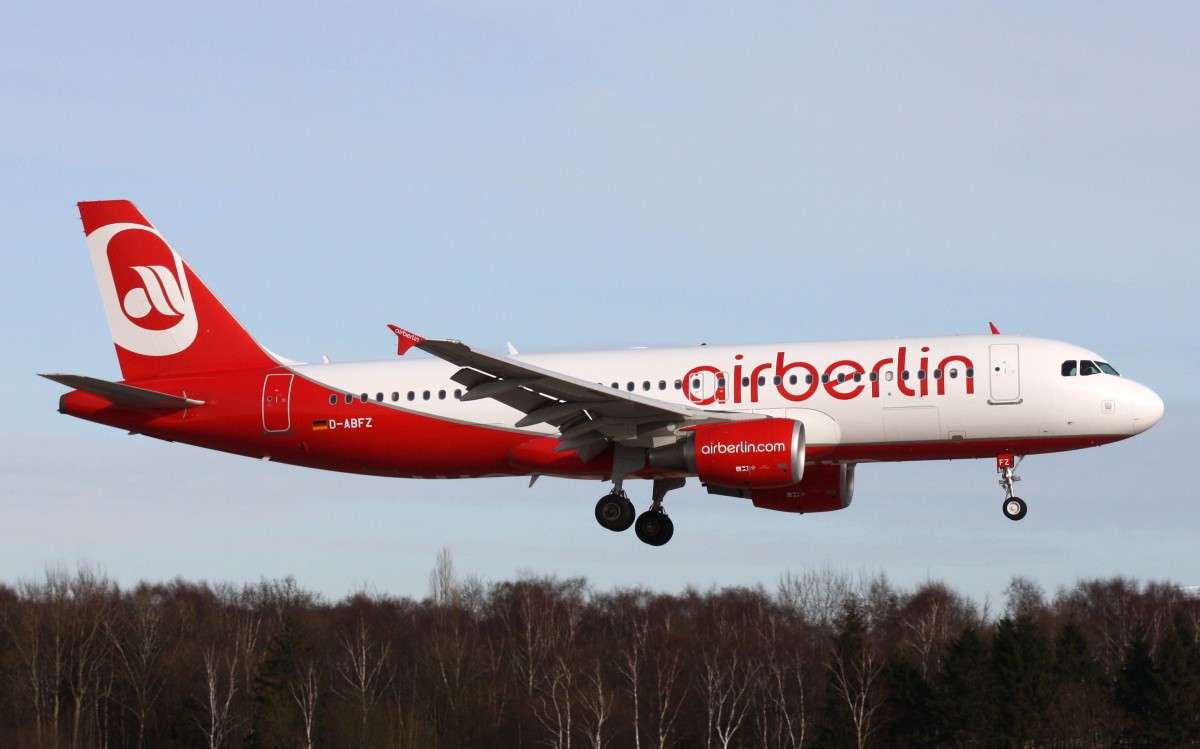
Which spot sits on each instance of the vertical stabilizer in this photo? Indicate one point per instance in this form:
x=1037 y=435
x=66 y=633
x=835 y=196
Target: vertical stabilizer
x=164 y=320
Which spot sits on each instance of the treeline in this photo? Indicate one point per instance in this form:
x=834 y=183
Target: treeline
x=824 y=660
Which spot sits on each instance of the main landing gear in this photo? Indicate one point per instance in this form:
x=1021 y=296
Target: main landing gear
x=615 y=512
x=1014 y=507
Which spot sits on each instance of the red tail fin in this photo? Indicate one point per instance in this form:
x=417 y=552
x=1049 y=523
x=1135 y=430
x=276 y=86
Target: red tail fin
x=164 y=320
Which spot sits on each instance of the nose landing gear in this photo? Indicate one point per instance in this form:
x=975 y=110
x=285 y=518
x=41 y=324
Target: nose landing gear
x=1006 y=465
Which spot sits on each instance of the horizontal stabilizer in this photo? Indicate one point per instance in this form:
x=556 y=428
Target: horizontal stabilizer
x=124 y=395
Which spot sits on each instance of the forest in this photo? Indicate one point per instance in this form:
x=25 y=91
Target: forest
x=824 y=659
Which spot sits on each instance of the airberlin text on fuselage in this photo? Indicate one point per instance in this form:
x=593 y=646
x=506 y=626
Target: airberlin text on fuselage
x=844 y=379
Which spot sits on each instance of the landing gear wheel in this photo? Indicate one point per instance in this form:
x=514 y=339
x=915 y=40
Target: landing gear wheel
x=654 y=527
x=1015 y=508
x=615 y=512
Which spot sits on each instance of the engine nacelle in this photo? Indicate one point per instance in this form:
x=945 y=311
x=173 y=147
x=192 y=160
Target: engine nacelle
x=738 y=454
x=825 y=488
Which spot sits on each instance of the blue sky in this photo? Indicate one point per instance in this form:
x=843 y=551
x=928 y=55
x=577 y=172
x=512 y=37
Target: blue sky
x=578 y=176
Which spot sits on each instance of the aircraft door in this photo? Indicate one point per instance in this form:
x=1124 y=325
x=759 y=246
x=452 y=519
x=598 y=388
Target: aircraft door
x=276 y=409
x=1005 y=373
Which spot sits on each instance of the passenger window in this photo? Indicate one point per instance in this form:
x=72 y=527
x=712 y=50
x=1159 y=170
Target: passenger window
x=873 y=377
x=937 y=374
x=954 y=373
x=363 y=397
x=904 y=375
x=349 y=398
x=629 y=386
x=889 y=375
x=745 y=382
x=412 y=396
x=425 y=395
x=441 y=395
x=825 y=379
x=662 y=384
x=762 y=380
x=971 y=372
x=457 y=394
x=1070 y=368
x=646 y=385
x=920 y=374
x=841 y=377
x=379 y=397
x=808 y=379
x=616 y=386
x=777 y=380
x=858 y=376
x=696 y=383
x=679 y=384
x=395 y=396
x=333 y=400
x=793 y=380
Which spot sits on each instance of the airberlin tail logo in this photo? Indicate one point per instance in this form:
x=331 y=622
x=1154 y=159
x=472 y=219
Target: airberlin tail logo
x=144 y=288
x=159 y=292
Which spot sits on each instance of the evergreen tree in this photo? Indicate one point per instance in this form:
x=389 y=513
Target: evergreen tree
x=1177 y=670
x=1138 y=691
x=1022 y=662
x=964 y=701
x=911 y=721
x=1081 y=711
x=275 y=723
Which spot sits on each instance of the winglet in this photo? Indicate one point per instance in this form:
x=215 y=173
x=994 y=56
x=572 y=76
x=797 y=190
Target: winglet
x=406 y=340
x=995 y=330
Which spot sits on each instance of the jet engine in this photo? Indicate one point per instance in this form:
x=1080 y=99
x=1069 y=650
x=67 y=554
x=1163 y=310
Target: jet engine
x=738 y=454
x=825 y=488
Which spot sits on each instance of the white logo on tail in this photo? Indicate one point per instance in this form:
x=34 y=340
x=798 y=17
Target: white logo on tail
x=144 y=288
x=159 y=292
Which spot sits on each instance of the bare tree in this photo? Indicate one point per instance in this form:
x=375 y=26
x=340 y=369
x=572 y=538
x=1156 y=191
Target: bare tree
x=726 y=676
x=220 y=682
x=137 y=640
x=597 y=703
x=443 y=585
x=39 y=636
x=817 y=596
x=855 y=669
x=554 y=701
x=365 y=670
x=230 y=658
x=305 y=689
x=783 y=721
x=666 y=695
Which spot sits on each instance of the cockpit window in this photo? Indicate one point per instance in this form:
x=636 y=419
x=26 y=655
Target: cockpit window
x=1070 y=368
x=1088 y=368
x=1107 y=368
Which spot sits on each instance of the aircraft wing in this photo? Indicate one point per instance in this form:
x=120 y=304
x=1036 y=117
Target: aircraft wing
x=588 y=415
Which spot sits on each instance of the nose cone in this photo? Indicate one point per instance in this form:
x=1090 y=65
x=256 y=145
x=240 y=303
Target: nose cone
x=1147 y=409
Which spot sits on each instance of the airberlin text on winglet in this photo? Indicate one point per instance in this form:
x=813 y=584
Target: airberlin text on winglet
x=405 y=339
x=843 y=379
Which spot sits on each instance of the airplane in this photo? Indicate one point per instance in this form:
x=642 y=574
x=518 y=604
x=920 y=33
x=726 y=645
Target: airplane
x=783 y=425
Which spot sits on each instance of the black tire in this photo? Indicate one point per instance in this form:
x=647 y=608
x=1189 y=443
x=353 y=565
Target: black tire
x=654 y=528
x=1014 y=508
x=615 y=512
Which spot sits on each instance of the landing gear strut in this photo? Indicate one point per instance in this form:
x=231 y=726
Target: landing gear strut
x=615 y=512
x=1014 y=507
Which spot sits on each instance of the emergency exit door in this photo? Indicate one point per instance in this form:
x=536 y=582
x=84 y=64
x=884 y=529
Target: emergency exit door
x=277 y=392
